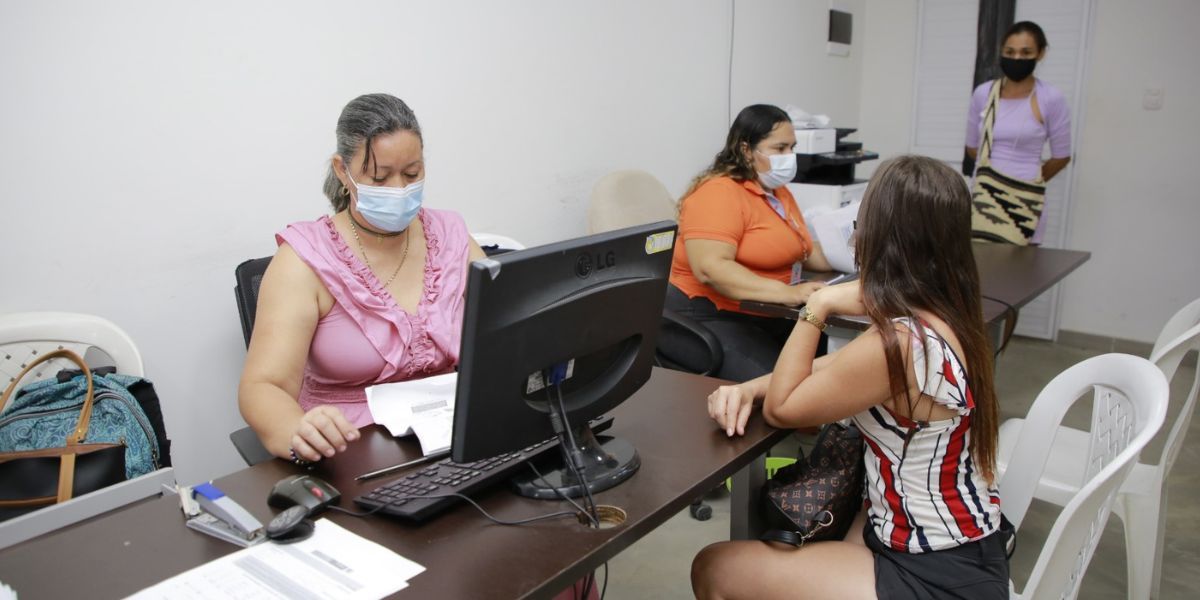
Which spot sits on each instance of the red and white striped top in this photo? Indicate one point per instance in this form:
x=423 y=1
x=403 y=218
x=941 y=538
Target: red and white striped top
x=923 y=489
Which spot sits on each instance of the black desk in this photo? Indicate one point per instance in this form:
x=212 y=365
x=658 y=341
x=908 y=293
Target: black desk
x=1008 y=276
x=683 y=456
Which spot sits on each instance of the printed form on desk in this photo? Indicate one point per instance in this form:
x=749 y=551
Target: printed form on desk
x=333 y=563
x=421 y=406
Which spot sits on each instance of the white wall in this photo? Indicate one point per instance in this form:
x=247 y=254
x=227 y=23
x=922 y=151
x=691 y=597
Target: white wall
x=146 y=148
x=780 y=58
x=886 y=102
x=1135 y=205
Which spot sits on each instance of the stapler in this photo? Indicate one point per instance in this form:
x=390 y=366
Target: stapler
x=210 y=511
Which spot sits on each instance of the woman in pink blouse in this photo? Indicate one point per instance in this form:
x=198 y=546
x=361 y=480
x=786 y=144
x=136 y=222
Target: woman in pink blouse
x=1031 y=112
x=372 y=294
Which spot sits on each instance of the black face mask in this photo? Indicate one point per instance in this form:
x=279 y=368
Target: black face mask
x=1017 y=69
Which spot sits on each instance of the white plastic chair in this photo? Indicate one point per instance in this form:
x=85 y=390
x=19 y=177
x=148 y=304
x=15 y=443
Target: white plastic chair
x=1142 y=501
x=495 y=239
x=627 y=198
x=1129 y=405
x=25 y=335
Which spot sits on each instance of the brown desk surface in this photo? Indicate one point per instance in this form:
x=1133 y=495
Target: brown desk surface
x=1008 y=274
x=683 y=456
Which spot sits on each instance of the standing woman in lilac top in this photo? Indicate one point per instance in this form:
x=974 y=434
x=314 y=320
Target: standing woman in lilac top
x=371 y=294
x=1031 y=112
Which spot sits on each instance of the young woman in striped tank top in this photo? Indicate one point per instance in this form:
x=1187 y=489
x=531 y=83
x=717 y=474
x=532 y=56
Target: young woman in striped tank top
x=918 y=384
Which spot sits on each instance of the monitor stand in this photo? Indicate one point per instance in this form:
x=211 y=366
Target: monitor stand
x=604 y=462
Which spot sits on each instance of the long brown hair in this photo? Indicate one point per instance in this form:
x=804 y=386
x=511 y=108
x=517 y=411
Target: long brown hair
x=752 y=125
x=914 y=253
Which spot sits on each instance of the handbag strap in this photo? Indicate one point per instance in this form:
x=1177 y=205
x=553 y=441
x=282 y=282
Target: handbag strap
x=795 y=538
x=85 y=414
x=984 y=155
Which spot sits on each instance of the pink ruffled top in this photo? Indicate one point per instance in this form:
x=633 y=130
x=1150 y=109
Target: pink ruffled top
x=366 y=338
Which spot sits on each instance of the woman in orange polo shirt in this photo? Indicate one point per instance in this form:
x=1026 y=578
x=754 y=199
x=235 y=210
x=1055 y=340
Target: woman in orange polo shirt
x=744 y=239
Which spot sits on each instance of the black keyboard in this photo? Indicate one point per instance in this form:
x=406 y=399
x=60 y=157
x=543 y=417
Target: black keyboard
x=405 y=497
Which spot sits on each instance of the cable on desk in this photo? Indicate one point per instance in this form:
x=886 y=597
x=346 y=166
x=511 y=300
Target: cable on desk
x=590 y=580
x=1010 y=324
x=353 y=513
x=554 y=377
x=583 y=511
x=587 y=588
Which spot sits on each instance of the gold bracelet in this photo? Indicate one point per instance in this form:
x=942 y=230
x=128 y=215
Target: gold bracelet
x=806 y=315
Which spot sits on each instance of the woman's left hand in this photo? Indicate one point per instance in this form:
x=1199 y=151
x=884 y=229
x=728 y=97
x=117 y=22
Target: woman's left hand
x=841 y=299
x=730 y=406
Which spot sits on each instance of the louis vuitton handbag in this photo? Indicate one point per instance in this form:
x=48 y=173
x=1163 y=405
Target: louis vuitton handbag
x=817 y=498
x=1003 y=209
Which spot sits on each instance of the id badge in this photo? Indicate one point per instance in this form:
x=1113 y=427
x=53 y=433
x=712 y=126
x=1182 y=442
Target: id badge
x=797 y=272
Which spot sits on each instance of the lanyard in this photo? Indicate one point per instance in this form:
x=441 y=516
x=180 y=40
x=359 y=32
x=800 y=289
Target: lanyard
x=781 y=211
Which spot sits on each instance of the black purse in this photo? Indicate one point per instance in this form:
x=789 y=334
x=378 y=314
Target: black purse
x=817 y=498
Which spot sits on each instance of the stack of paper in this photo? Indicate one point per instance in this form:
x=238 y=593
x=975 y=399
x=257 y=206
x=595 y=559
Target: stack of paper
x=422 y=406
x=333 y=563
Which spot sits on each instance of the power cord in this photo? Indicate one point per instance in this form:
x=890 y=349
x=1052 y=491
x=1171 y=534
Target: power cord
x=583 y=511
x=575 y=467
x=590 y=580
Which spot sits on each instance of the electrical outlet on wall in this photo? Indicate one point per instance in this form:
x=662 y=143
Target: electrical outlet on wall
x=1152 y=98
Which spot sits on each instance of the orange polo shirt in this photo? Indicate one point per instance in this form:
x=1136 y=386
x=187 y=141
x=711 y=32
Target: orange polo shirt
x=739 y=213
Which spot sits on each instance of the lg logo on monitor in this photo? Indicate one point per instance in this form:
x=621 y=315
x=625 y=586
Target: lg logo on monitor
x=587 y=263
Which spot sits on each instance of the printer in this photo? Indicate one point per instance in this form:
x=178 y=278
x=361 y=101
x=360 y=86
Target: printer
x=825 y=164
x=826 y=190
x=816 y=141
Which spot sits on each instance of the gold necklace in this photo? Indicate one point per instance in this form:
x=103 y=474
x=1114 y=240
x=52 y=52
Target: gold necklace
x=357 y=240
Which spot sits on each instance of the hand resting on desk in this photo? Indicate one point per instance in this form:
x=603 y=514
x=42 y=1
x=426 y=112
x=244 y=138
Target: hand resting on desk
x=731 y=405
x=322 y=431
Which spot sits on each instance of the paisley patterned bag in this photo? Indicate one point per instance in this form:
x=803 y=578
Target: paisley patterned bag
x=818 y=497
x=63 y=438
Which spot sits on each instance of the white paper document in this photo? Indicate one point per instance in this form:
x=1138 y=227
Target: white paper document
x=333 y=563
x=422 y=406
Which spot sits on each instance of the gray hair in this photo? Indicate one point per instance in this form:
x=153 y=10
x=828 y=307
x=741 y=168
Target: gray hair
x=364 y=118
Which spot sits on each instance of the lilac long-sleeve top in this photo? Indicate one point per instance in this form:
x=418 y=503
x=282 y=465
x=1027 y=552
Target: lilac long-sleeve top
x=1018 y=136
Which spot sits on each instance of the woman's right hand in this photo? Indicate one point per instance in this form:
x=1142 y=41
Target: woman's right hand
x=801 y=291
x=730 y=406
x=322 y=432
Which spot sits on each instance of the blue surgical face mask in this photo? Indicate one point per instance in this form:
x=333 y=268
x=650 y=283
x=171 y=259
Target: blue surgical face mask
x=389 y=209
x=783 y=170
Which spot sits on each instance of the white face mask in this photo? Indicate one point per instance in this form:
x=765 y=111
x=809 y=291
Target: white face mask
x=783 y=170
x=389 y=209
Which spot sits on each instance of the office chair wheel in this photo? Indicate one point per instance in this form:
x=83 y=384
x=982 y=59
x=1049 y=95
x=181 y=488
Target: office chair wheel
x=700 y=511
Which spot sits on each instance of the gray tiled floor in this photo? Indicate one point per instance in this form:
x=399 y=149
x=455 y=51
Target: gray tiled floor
x=658 y=565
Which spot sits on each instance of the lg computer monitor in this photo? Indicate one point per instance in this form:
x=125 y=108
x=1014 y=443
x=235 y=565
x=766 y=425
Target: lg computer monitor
x=591 y=305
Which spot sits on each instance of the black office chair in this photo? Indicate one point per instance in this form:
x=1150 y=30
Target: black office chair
x=686 y=345
x=248 y=277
